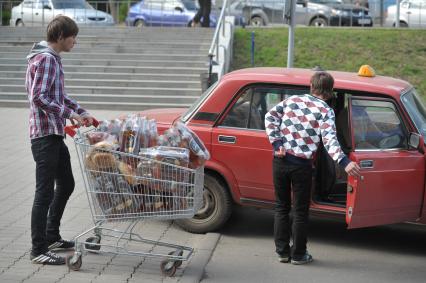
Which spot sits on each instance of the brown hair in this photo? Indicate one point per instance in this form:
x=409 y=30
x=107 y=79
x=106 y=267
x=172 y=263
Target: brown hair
x=322 y=84
x=61 y=27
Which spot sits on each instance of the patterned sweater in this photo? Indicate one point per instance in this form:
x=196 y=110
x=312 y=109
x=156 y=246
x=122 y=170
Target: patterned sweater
x=299 y=123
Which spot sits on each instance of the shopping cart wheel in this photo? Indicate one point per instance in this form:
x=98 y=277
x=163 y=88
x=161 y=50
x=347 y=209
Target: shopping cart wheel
x=168 y=268
x=95 y=240
x=74 y=261
x=178 y=263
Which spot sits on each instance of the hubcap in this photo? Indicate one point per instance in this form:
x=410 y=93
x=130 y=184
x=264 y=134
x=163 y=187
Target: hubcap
x=209 y=206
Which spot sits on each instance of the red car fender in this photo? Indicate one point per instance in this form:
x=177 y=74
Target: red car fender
x=227 y=175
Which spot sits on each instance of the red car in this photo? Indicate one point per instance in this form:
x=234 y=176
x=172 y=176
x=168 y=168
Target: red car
x=381 y=124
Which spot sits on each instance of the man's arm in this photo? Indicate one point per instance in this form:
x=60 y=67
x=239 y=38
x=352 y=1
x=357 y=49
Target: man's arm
x=44 y=78
x=273 y=121
x=331 y=144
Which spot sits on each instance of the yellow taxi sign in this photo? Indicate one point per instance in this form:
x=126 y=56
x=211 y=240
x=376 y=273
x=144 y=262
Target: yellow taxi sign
x=366 y=71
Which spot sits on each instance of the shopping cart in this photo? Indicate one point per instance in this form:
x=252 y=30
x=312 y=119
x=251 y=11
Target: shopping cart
x=147 y=189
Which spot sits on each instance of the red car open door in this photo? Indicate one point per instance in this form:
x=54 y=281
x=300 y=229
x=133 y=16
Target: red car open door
x=392 y=184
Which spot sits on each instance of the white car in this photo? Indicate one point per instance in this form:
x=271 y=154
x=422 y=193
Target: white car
x=412 y=14
x=41 y=12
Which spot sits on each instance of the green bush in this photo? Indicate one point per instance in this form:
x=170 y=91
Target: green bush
x=399 y=53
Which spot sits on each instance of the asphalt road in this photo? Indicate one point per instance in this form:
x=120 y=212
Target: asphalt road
x=245 y=252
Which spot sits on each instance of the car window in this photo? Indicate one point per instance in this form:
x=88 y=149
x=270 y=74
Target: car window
x=153 y=4
x=377 y=125
x=29 y=4
x=171 y=5
x=253 y=103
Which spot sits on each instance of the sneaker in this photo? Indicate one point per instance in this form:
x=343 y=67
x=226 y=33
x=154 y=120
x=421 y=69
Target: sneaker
x=307 y=258
x=48 y=258
x=61 y=244
x=284 y=258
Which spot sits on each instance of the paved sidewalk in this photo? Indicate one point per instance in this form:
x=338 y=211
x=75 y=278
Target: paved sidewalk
x=17 y=184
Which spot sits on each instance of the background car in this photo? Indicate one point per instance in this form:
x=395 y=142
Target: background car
x=265 y=12
x=344 y=14
x=164 y=13
x=41 y=12
x=412 y=14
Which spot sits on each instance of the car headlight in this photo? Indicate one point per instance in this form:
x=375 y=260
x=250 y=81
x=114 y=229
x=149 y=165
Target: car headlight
x=336 y=12
x=79 y=19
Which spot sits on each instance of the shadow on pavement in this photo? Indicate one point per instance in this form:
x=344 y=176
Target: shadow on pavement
x=398 y=238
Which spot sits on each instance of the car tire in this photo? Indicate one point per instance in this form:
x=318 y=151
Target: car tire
x=216 y=209
x=140 y=23
x=19 y=23
x=257 y=21
x=318 y=22
x=403 y=25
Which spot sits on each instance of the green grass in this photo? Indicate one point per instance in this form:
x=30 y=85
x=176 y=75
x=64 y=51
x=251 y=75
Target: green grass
x=399 y=53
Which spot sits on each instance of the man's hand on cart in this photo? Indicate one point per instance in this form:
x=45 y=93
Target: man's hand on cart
x=76 y=120
x=88 y=120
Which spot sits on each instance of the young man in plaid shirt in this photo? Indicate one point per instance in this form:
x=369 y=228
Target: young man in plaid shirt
x=295 y=127
x=50 y=107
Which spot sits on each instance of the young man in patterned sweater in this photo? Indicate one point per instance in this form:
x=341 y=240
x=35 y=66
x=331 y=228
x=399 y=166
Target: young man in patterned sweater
x=295 y=127
x=50 y=107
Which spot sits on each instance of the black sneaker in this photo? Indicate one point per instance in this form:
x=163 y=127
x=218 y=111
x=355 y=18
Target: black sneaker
x=307 y=258
x=61 y=244
x=283 y=258
x=48 y=258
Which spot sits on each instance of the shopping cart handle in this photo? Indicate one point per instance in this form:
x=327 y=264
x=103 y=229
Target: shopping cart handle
x=70 y=130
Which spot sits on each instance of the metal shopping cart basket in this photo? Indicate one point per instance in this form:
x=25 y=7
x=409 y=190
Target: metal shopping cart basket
x=145 y=189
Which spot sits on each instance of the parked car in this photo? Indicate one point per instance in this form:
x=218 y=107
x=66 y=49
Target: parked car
x=381 y=124
x=346 y=14
x=266 y=12
x=164 y=13
x=236 y=10
x=412 y=14
x=41 y=12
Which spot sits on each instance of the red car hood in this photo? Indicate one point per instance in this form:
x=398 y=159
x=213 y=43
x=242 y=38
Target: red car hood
x=164 y=116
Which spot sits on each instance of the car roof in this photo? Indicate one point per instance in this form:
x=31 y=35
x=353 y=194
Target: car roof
x=342 y=80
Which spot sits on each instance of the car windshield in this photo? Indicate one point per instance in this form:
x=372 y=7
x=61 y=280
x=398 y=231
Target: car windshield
x=190 y=5
x=71 y=4
x=199 y=101
x=416 y=109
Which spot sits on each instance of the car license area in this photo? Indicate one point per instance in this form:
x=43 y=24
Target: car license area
x=364 y=21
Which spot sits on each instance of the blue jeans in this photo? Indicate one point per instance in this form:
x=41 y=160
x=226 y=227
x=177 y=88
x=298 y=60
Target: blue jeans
x=52 y=166
x=290 y=177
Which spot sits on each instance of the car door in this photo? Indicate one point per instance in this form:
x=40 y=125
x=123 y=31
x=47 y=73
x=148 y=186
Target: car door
x=173 y=14
x=392 y=183
x=416 y=13
x=239 y=140
x=152 y=11
x=31 y=12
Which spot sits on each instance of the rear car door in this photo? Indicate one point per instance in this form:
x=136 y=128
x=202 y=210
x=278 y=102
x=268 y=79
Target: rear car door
x=392 y=183
x=239 y=140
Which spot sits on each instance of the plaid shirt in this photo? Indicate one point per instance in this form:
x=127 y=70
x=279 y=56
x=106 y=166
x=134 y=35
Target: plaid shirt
x=50 y=106
x=299 y=123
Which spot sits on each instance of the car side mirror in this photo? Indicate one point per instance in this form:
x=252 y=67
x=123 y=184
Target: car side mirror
x=179 y=9
x=416 y=141
x=47 y=7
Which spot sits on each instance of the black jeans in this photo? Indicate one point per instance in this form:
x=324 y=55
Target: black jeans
x=52 y=166
x=297 y=178
x=204 y=11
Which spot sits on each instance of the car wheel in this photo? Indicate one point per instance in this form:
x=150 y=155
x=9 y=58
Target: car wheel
x=216 y=209
x=140 y=23
x=257 y=21
x=319 y=22
x=403 y=25
x=20 y=23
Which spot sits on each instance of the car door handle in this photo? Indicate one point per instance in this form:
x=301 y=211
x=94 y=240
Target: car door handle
x=408 y=12
x=227 y=139
x=366 y=164
x=36 y=14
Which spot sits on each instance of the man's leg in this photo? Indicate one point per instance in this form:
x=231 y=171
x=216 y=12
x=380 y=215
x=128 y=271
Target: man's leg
x=302 y=183
x=206 y=13
x=64 y=188
x=46 y=154
x=282 y=185
x=199 y=13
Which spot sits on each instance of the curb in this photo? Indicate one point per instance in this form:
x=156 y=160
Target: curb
x=194 y=271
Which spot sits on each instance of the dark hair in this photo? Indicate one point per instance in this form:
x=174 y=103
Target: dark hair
x=61 y=27
x=322 y=84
